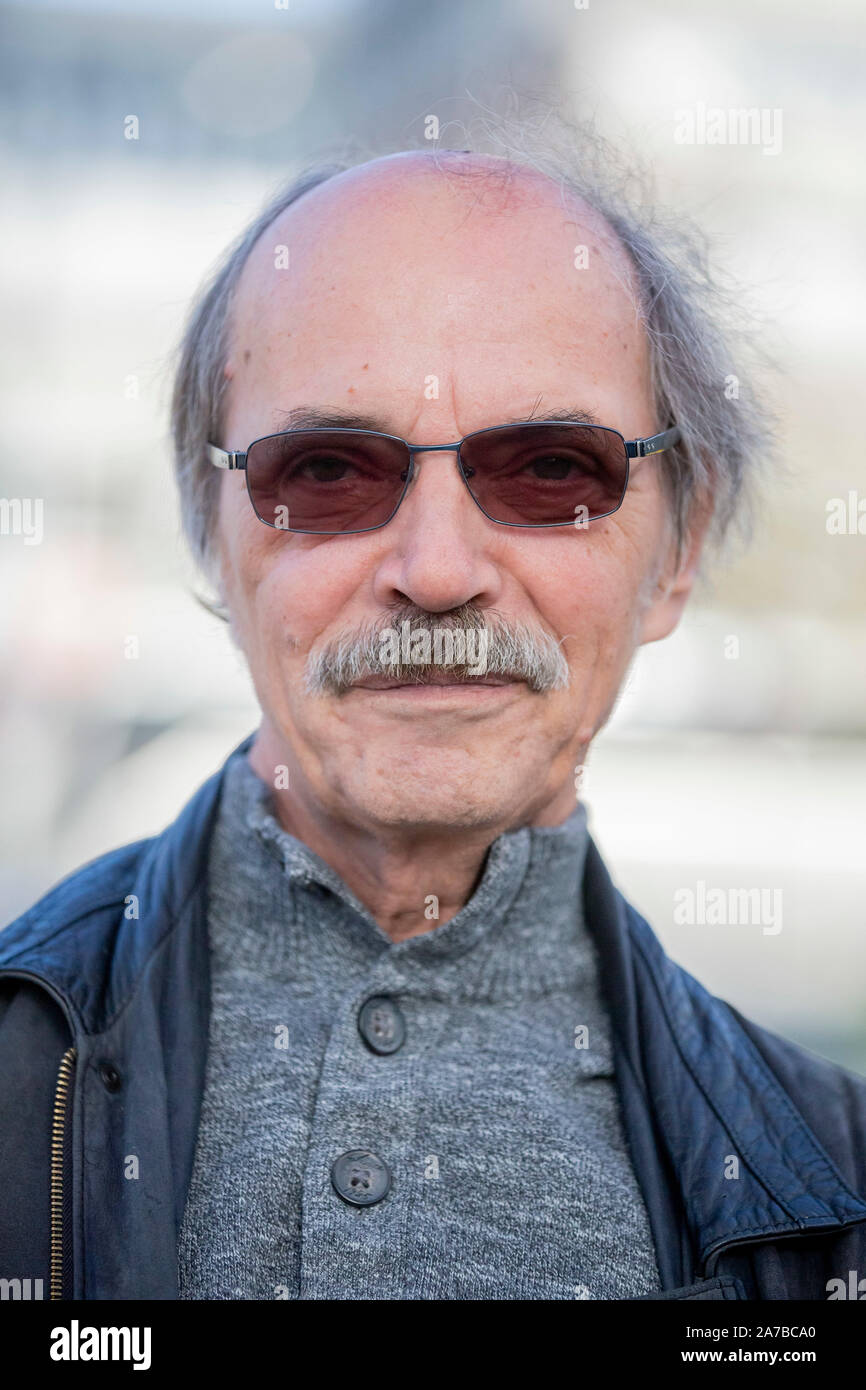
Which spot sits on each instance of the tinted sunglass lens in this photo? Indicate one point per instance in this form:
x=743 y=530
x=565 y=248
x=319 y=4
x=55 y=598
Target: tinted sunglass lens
x=546 y=475
x=326 y=481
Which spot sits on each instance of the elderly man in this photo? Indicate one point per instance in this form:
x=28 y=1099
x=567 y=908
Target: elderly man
x=369 y=1020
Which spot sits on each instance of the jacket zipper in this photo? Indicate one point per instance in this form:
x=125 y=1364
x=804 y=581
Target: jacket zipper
x=59 y=1234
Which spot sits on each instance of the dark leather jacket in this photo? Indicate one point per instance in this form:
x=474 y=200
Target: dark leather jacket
x=104 y=1006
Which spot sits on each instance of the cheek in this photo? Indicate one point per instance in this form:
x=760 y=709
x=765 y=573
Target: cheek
x=282 y=591
x=249 y=550
x=596 y=590
x=624 y=562
x=249 y=553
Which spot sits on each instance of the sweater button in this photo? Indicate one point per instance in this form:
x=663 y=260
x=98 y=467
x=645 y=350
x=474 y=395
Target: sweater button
x=109 y=1076
x=360 y=1178
x=382 y=1025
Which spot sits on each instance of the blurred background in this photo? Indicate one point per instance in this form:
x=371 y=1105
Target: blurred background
x=737 y=755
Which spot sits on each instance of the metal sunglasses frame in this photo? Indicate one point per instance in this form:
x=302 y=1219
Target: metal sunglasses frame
x=634 y=448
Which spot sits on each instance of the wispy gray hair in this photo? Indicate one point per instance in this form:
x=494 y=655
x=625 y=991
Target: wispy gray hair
x=697 y=342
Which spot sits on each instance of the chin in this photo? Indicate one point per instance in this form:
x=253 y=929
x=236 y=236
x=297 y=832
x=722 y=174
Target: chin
x=422 y=812
x=428 y=801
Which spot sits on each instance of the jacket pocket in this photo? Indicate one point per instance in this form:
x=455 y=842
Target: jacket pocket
x=724 y=1287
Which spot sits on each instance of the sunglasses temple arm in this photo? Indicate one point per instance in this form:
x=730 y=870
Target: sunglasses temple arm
x=655 y=444
x=224 y=458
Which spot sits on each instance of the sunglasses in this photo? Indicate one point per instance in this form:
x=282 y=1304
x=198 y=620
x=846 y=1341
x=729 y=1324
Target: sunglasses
x=330 y=482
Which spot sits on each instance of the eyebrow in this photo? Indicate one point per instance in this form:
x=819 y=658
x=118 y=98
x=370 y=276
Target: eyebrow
x=310 y=417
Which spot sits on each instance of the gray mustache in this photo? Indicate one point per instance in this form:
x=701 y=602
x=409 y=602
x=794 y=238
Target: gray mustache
x=509 y=648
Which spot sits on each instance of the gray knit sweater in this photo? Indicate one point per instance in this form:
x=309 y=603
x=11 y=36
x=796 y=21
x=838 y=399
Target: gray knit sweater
x=500 y=1132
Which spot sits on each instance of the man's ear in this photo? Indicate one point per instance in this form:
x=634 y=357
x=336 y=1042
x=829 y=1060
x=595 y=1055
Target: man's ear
x=673 y=587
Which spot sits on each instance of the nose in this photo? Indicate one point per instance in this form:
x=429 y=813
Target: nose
x=438 y=549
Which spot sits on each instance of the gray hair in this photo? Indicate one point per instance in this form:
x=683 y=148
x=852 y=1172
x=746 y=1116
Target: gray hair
x=690 y=321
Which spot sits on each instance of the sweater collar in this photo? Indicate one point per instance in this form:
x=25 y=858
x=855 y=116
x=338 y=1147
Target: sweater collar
x=520 y=865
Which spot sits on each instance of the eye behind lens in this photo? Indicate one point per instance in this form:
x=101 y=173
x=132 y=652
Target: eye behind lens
x=326 y=482
x=523 y=476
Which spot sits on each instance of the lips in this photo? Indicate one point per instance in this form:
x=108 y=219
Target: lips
x=438 y=678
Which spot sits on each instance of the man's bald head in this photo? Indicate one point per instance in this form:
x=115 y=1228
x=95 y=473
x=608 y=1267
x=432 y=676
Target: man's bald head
x=449 y=259
x=683 y=317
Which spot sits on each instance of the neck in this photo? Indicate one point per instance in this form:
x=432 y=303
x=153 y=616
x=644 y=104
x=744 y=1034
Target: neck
x=411 y=879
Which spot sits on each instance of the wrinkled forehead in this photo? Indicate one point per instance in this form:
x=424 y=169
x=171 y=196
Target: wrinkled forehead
x=404 y=255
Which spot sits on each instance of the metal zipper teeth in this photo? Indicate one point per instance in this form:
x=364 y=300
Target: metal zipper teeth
x=58 y=1144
